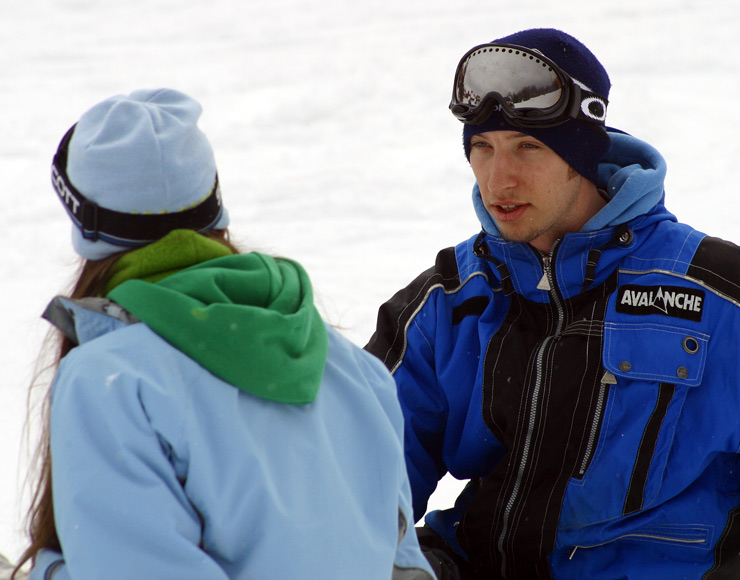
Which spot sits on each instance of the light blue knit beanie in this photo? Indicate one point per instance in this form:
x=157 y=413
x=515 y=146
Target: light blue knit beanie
x=141 y=153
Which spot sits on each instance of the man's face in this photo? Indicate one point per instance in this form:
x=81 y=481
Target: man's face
x=531 y=193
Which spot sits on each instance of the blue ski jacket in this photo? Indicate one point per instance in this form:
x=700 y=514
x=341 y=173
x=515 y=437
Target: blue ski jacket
x=163 y=470
x=590 y=395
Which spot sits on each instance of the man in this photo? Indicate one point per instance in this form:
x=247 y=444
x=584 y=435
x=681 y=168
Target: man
x=575 y=359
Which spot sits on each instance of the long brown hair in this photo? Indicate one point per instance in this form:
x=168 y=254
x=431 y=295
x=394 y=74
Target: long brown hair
x=91 y=280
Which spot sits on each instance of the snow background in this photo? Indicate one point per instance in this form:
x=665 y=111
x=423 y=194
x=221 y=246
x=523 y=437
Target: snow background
x=334 y=143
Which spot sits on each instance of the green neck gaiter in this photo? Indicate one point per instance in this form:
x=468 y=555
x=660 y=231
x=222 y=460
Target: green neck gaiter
x=247 y=318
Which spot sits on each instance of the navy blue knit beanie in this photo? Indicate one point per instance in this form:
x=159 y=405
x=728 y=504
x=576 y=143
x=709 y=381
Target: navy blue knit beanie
x=579 y=143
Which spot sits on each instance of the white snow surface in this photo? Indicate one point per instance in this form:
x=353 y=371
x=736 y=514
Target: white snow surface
x=332 y=136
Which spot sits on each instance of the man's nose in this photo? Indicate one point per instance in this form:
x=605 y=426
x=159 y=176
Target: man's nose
x=501 y=172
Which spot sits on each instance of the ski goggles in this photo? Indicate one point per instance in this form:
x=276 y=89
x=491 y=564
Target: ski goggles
x=527 y=87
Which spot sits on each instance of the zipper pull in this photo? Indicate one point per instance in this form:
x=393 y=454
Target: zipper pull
x=608 y=379
x=544 y=283
x=573 y=553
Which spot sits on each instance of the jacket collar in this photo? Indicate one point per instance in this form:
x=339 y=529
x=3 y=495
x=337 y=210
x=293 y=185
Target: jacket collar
x=578 y=260
x=85 y=319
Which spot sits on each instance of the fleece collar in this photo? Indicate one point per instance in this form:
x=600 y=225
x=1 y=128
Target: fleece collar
x=177 y=250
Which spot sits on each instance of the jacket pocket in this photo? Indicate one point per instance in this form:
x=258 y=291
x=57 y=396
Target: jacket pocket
x=677 y=535
x=653 y=367
x=655 y=353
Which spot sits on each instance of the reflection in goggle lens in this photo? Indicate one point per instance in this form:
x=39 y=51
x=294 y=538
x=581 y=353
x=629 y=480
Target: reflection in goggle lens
x=521 y=79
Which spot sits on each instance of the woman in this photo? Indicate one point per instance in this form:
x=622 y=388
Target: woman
x=204 y=421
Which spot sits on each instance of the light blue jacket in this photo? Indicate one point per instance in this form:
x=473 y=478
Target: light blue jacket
x=161 y=470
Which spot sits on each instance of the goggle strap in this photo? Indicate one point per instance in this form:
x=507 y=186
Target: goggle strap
x=588 y=106
x=127 y=229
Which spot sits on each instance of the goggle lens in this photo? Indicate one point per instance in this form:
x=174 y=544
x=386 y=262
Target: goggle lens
x=521 y=79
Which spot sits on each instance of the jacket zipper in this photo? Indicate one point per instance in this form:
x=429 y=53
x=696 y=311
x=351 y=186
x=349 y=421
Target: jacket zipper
x=606 y=380
x=548 y=279
x=657 y=537
x=548 y=283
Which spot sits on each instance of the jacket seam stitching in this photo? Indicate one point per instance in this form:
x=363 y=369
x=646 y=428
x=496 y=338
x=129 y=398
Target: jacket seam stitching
x=422 y=304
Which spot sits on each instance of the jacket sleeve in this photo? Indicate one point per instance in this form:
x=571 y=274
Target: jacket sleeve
x=405 y=341
x=425 y=411
x=121 y=511
x=49 y=565
x=409 y=563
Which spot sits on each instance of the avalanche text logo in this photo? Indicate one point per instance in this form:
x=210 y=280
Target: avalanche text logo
x=674 y=301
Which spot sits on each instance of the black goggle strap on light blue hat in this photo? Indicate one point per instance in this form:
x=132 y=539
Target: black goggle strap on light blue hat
x=527 y=87
x=127 y=229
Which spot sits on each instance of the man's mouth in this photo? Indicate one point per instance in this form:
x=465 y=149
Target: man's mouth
x=509 y=212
